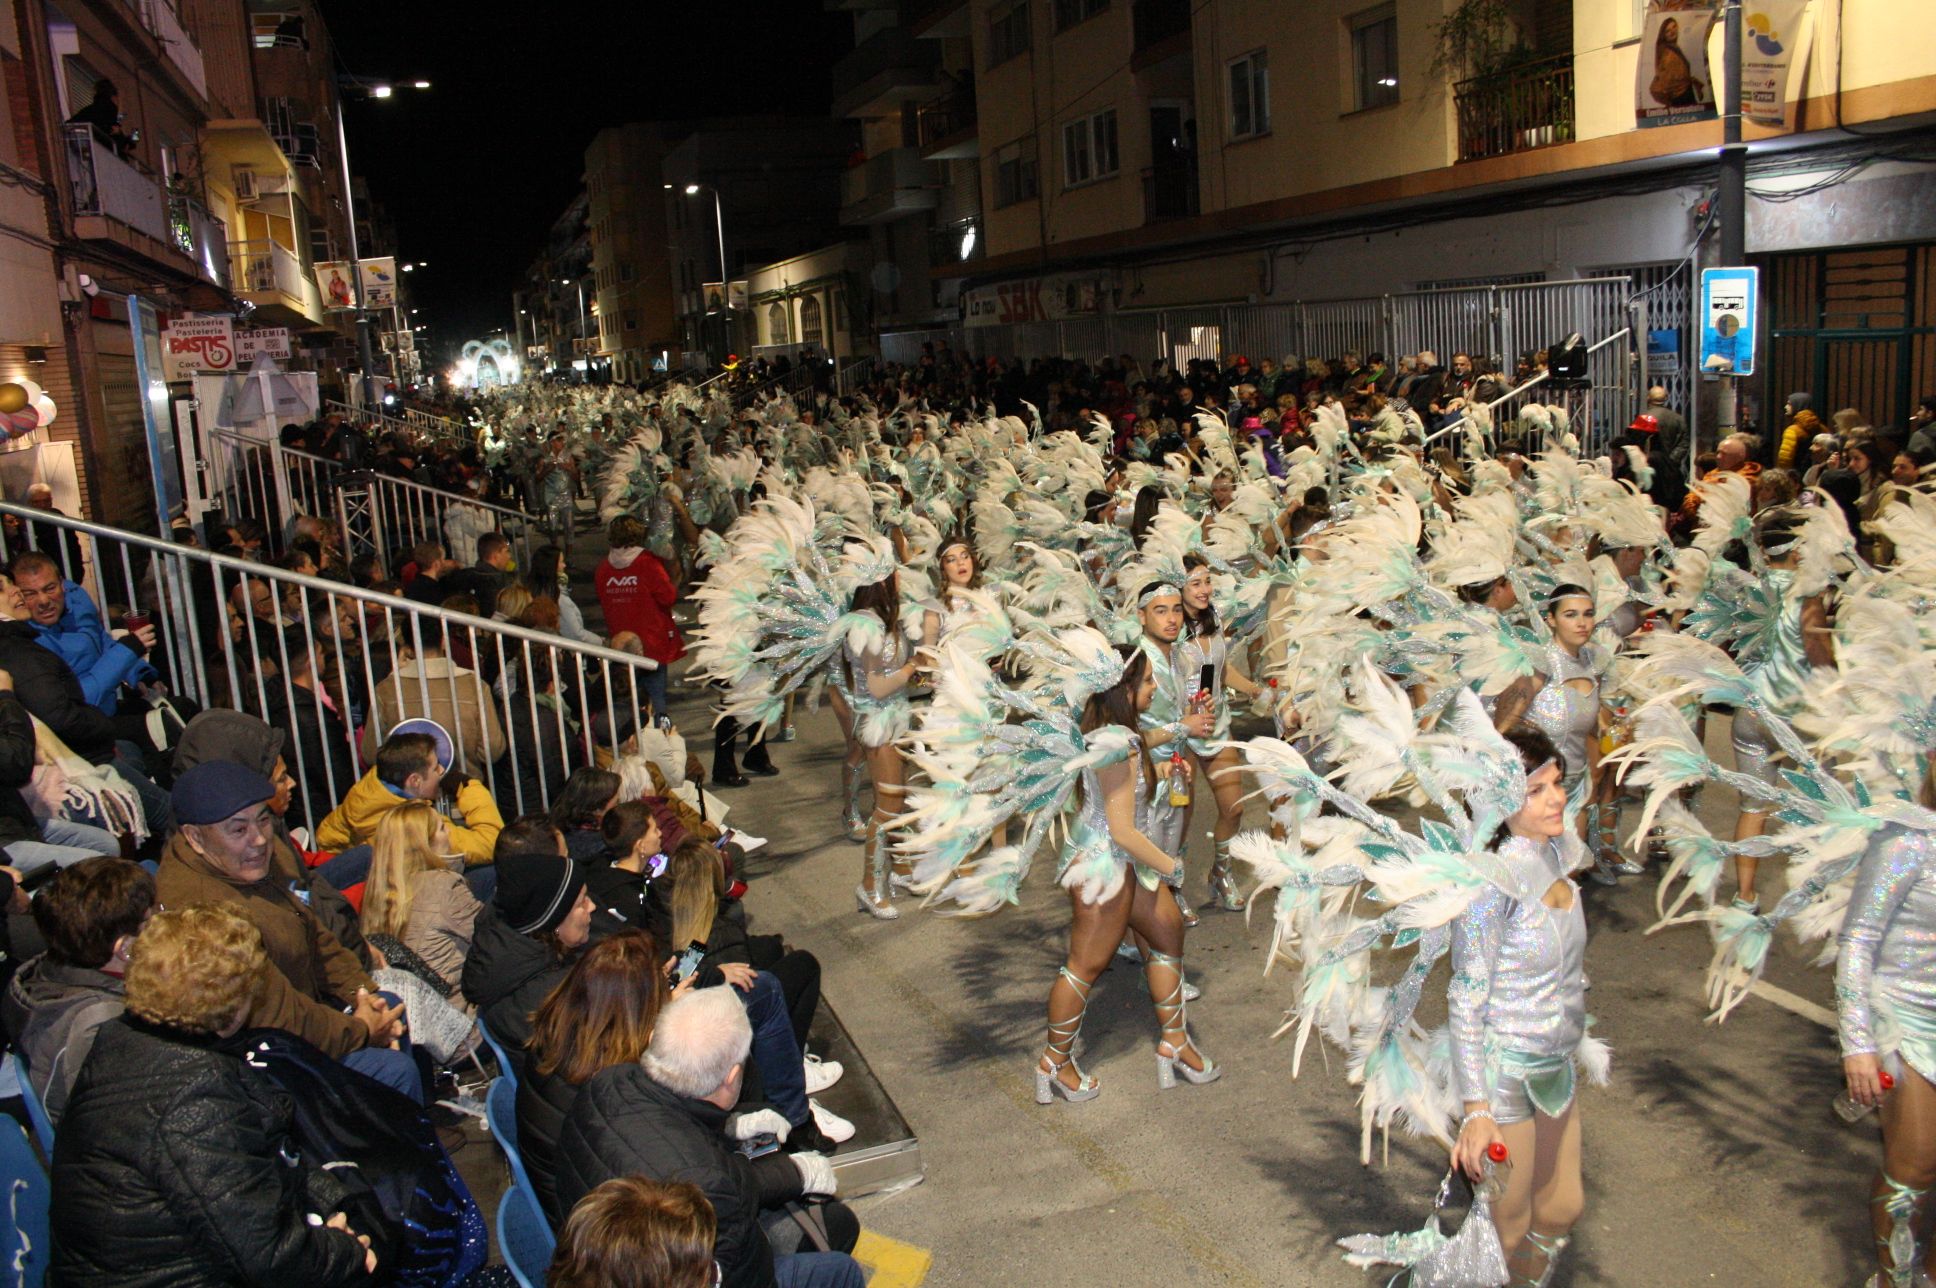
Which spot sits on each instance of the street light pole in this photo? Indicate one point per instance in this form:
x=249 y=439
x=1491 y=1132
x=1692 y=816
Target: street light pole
x=1731 y=198
x=363 y=346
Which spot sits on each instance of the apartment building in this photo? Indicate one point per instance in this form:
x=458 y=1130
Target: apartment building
x=557 y=306
x=630 y=292
x=1137 y=156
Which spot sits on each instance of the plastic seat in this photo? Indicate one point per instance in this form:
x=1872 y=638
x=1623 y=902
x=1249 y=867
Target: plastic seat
x=501 y=1114
x=25 y=1244
x=506 y=1068
x=522 y=1237
x=36 y=1112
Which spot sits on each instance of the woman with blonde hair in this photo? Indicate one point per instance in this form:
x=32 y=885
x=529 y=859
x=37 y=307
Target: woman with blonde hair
x=696 y=883
x=416 y=900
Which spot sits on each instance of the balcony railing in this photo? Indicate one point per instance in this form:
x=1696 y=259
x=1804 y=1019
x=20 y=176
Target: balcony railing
x=107 y=185
x=887 y=62
x=159 y=17
x=1158 y=20
x=266 y=268
x=1169 y=192
x=1524 y=107
x=200 y=236
x=888 y=185
x=945 y=118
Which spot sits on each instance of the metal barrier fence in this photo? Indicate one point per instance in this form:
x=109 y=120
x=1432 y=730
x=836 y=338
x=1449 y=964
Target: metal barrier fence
x=375 y=513
x=321 y=660
x=420 y=426
x=1497 y=323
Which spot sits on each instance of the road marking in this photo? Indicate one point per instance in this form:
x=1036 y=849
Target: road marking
x=1788 y=1001
x=895 y=1264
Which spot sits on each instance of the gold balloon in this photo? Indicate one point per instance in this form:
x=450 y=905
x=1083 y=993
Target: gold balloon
x=13 y=397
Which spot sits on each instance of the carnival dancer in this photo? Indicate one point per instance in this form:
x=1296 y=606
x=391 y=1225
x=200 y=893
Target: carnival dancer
x=877 y=674
x=1569 y=709
x=1175 y=712
x=1203 y=648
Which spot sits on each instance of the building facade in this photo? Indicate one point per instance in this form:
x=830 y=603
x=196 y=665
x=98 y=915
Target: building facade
x=1155 y=173
x=633 y=309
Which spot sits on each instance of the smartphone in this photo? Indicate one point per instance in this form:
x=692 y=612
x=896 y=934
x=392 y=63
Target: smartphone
x=1206 y=682
x=688 y=963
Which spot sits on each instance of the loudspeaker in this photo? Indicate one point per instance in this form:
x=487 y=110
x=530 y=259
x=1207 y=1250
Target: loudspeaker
x=1566 y=361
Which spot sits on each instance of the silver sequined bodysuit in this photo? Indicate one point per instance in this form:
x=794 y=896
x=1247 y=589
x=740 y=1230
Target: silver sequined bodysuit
x=1193 y=653
x=1517 y=1001
x=878 y=721
x=1885 y=971
x=1090 y=847
x=1563 y=713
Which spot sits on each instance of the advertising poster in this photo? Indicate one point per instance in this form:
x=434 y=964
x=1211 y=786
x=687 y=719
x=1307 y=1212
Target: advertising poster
x=379 y=278
x=336 y=279
x=1671 y=84
x=1774 y=38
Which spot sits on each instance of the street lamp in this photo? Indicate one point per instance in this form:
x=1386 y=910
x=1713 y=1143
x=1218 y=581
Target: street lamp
x=365 y=350
x=719 y=221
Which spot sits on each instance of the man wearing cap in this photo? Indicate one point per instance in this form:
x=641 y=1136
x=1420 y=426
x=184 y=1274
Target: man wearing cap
x=223 y=851
x=1642 y=459
x=414 y=764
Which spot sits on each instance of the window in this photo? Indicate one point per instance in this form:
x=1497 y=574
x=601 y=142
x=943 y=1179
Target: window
x=625 y=272
x=1089 y=149
x=776 y=323
x=1015 y=172
x=631 y=320
x=809 y=320
x=1070 y=12
x=1008 y=32
x=1250 y=96
x=1374 y=56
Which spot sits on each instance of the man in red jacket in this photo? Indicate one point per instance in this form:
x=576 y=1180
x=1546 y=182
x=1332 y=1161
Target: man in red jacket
x=638 y=596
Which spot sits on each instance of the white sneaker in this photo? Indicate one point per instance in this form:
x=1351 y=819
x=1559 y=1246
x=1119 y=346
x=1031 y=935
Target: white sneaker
x=821 y=1074
x=748 y=842
x=831 y=1125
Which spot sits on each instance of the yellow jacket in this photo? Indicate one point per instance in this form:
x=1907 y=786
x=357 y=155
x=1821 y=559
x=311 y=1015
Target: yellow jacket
x=354 y=821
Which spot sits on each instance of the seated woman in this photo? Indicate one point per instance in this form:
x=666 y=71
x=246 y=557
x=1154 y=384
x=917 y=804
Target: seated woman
x=415 y=899
x=169 y=1167
x=599 y=1016
x=578 y=808
x=696 y=884
x=635 y=1233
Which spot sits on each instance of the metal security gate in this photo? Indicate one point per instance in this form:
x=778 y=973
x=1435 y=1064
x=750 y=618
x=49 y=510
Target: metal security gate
x=1853 y=328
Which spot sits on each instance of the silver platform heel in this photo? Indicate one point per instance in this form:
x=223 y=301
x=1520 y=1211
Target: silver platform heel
x=1172 y=1015
x=1223 y=886
x=1060 y=1054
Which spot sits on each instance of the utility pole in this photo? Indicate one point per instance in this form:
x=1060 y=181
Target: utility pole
x=1731 y=201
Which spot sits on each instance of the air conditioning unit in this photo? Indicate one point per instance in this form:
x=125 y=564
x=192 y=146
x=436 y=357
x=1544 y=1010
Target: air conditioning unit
x=245 y=184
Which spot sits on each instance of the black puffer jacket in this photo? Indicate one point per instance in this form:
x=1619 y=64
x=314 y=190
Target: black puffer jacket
x=51 y=690
x=167 y=1172
x=506 y=976
x=625 y=1124
x=544 y=1102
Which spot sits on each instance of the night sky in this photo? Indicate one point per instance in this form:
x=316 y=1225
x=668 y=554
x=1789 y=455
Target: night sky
x=474 y=169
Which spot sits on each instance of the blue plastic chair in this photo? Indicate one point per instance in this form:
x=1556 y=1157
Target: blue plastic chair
x=36 y=1112
x=25 y=1245
x=501 y=1114
x=506 y=1067
x=522 y=1236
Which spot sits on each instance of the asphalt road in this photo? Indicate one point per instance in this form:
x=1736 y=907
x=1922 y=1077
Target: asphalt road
x=1713 y=1156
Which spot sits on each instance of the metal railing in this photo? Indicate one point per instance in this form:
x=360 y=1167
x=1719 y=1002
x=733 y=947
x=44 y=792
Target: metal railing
x=946 y=117
x=374 y=513
x=418 y=426
x=160 y=18
x=1516 y=109
x=852 y=376
x=1169 y=191
x=109 y=185
x=322 y=659
x=267 y=267
x=792 y=383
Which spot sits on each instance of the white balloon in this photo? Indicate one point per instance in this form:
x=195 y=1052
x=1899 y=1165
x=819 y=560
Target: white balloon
x=34 y=392
x=45 y=406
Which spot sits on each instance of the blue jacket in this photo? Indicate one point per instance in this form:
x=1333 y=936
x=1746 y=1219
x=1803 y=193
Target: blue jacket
x=102 y=663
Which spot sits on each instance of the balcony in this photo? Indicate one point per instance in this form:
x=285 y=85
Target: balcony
x=1169 y=192
x=935 y=19
x=889 y=68
x=200 y=236
x=887 y=186
x=947 y=127
x=160 y=18
x=1159 y=22
x=1515 y=109
x=271 y=276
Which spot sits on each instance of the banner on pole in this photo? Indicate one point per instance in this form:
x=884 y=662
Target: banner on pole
x=1774 y=38
x=336 y=279
x=379 y=281
x=1729 y=300
x=1672 y=84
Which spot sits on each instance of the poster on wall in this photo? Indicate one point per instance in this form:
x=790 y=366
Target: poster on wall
x=1774 y=39
x=336 y=279
x=379 y=280
x=1671 y=84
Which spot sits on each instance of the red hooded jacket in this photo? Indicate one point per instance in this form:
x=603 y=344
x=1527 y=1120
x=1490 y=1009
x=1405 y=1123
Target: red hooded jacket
x=637 y=596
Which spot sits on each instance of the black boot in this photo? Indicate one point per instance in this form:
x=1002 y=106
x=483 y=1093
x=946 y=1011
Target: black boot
x=725 y=772
x=756 y=761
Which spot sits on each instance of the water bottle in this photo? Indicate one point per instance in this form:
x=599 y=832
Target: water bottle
x=1179 y=785
x=1498 y=1172
x=1849 y=1111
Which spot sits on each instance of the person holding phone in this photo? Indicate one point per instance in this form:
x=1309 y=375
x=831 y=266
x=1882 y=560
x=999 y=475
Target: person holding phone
x=1203 y=653
x=1171 y=717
